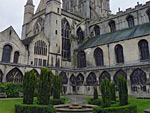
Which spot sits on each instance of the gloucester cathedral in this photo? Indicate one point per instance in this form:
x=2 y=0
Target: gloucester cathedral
x=83 y=42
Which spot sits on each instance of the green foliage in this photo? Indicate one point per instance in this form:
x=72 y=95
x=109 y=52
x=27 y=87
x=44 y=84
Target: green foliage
x=105 y=91
x=95 y=95
x=29 y=85
x=11 y=89
x=113 y=91
x=123 y=90
x=57 y=101
x=95 y=102
x=56 y=87
x=119 y=109
x=24 y=108
x=2 y=90
x=45 y=84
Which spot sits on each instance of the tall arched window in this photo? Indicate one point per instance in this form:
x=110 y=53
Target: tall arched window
x=104 y=75
x=98 y=55
x=138 y=79
x=120 y=72
x=144 y=49
x=97 y=30
x=130 y=20
x=39 y=26
x=119 y=53
x=112 y=26
x=148 y=14
x=81 y=58
x=14 y=76
x=66 y=45
x=91 y=79
x=40 y=48
x=80 y=35
x=79 y=79
x=6 y=53
x=64 y=78
x=1 y=76
x=73 y=79
x=16 y=57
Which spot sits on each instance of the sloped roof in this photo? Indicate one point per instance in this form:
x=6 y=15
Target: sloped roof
x=28 y=40
x=121 y=35
x=41 y=6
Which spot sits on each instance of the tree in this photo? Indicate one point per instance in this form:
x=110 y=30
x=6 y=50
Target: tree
x=105 y=90
x=29 y=85
x=123 y=90
x=95 y=93
x=113 y=92
x=57 y=87
x=44 y=89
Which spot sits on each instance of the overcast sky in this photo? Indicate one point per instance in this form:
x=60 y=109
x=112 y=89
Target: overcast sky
x=12 y=11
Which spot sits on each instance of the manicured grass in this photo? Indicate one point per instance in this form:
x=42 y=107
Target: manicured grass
x=141 y=104
x=8 y=105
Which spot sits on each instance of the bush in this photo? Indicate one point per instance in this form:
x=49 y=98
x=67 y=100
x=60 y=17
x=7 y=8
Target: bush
x=2 y=90
x=24 y=108
x=29 y=85
x=57 y=101
x=113 y=91
x=95 y=93
x=12 y=89
x=95 y=102
x=45 y=84
x=105 y=90
x=123 y=90
x=119 y=109
x=56 y=87
x=36 y=93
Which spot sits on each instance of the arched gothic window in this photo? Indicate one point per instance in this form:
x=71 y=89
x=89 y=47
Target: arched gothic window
x=148 y=14
x=91 y=79
x=39 y=26
x=16 y=57
x=80 y=35
x=138 y=78
x=144 y=49
x=104 y=75
x=66 y=45
x=79 y=79
x=1 y=76
x=112 y=26
x=120 y=72
x=98 y=55
x=81 y=58
x=64 y=78
x=97 y=30
x=40 y=48
x=14 y=76
x=73 y=79
x=130 y=20
x=119 y=53
x=6 y=53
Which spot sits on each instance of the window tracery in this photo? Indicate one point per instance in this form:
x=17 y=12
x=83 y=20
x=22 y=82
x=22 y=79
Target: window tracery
x=39 y=26
x=81 y=59
x=91 y=79
x=98 y=55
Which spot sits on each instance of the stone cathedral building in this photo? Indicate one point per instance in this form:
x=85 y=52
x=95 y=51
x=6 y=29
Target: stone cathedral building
x=83 y=42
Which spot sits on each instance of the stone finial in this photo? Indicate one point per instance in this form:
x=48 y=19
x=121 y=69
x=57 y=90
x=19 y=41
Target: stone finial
x=29 y=2
x=119 y=9
x=137 y=3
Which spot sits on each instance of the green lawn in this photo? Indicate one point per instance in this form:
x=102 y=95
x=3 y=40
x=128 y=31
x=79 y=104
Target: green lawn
x=8 y=105
x=141 y=104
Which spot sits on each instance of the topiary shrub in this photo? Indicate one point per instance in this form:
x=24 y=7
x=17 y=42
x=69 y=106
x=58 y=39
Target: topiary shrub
x=56 y=87
x=123 y=90
x=57 y=101
x=24 y=108
x=113 y=91
x=45 y=84
x=105 y=91
x=95 y=95
x=29 y=85
x=2 y=88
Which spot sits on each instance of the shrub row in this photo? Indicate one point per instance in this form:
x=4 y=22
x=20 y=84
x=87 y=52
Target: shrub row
x=95 y=102
x=24 y=108
x=57 y=101
x=11 y=89
x=120 y=109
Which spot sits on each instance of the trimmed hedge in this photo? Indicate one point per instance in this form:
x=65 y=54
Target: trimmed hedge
x=24 y=108
x=120 y=109
x=113 y=91
x=57 y=84
x=95 y=102
x=57 y=101
x=95 y=95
